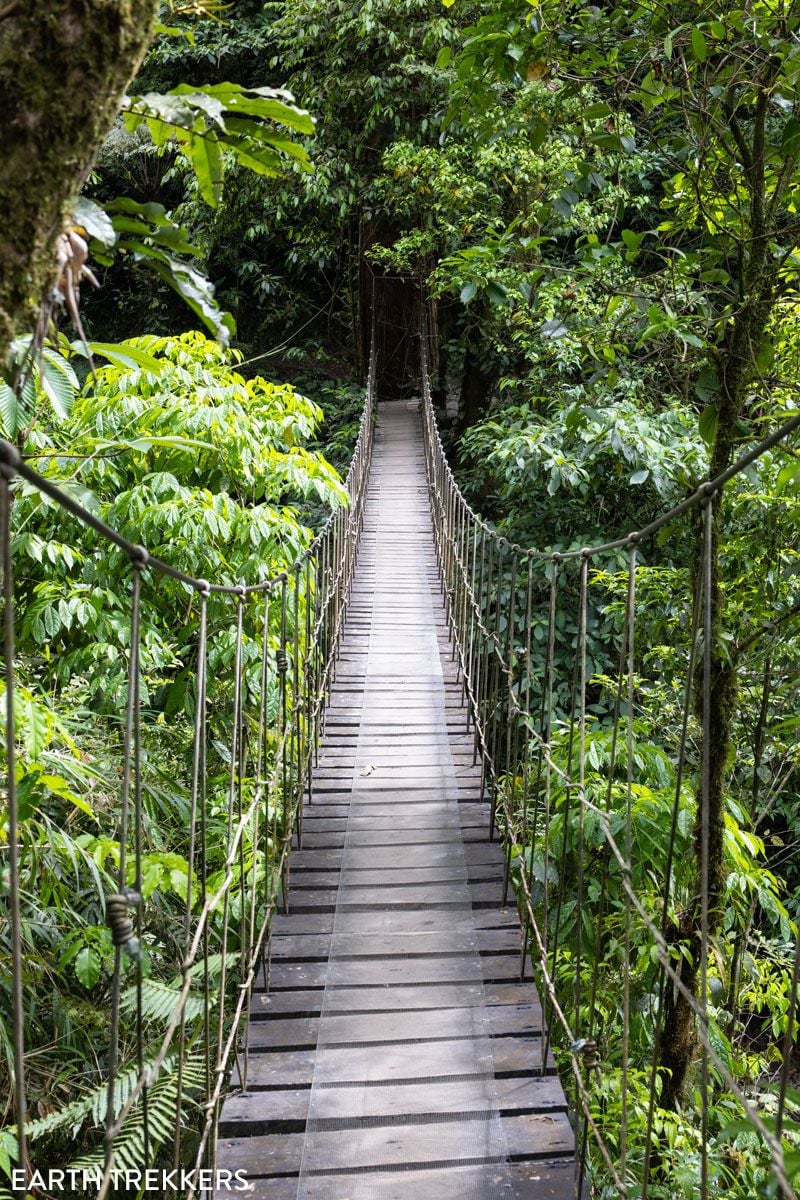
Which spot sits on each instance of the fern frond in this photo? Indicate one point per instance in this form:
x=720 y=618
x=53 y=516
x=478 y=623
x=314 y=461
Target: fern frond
x=159 y=1001
x=94 y=1104
x=162 y=1106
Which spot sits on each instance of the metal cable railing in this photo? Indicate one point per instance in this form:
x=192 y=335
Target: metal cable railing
x=300 y=612
x=573 y=844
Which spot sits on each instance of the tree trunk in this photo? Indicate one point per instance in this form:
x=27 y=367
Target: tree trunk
x=678 y=1043
x=64 y=66
x=477 y=380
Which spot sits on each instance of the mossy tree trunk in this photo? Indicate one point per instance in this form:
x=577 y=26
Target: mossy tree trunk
x=64 y=65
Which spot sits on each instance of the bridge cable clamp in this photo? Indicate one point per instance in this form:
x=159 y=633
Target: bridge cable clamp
x=120 y=923
x=139 y=556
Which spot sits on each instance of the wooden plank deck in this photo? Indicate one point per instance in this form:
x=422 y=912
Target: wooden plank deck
x=396 y=1054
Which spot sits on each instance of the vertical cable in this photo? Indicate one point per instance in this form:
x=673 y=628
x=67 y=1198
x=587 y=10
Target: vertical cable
x=679 y=773
x=582 y=634
x=137 y=879
x=233 y=793
x=630 y=623
x=494 y=692
x=20 y=1107
x=257 y=825
x=509 y=766
x=705 y=828
x=116 y=905
x=297 y=716
x=282 y=663
x=198 y=737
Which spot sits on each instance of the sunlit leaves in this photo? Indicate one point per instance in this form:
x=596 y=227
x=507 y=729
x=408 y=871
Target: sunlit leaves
x=224 y=118
x=148 y=235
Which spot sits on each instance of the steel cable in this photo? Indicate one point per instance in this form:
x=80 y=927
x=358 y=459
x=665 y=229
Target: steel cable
x=489 y=666
x=318 y=582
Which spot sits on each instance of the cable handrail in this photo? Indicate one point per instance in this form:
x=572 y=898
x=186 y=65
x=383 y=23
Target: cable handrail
x=703 y=492
x=490 y=594
x=304 y=609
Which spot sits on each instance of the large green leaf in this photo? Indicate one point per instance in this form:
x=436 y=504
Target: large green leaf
x=87 y=966
x=196 y=290
x=9 y=410
x=224 y=117
x=209 y=168
x=121 y=354
x=59 y=382
x=95 y=220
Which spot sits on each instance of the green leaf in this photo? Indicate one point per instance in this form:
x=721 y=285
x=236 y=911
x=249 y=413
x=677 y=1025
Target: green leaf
x=9 y=411
x=496 y=292
x=554 y=328
x=444 y=57
x=468 y=292
x=639 y=477
x=87 y=967
x=95 y=220
x=632 y=240
x=208 y=166
x=197 y=292
x=121 y=354
x=708 y=424
x=790 y=141
x=699 y=46
x=58 y=382
x=595 y=111
x=788 y=478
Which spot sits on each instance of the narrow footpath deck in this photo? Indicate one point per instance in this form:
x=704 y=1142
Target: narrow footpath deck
x=396 y=1055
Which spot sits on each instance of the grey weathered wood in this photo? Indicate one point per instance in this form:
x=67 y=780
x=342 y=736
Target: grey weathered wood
x=517 y=1056
x=529 y=1137
x=282 y=1107
x=395 y=1052
x=505 y=1181
x=343 y=1029
x=307 y=1002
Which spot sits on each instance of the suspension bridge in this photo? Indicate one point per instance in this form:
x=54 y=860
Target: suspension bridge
x=359 y=1018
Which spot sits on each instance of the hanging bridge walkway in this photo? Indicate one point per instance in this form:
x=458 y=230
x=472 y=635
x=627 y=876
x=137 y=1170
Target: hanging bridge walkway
x=396 y=1052
x=352 y=1014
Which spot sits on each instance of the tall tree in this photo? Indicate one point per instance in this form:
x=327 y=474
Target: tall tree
x=712 y=91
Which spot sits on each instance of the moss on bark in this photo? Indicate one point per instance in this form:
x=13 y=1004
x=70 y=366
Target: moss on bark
x=64 y=64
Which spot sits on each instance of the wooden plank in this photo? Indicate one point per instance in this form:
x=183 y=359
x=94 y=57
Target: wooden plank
x=393 y=1062
x=425 y=855
x=308 y=1002
x=431 y=1025
x=394 y=972
x=366 y=877
x=397 y=920
x=400 y=837
x=250 y=1114
x=438 y=1143
x=305 y=947
x=439 y=895
x=500 y=1181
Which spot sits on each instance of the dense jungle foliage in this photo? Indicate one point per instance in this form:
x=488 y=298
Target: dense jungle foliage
x=599 y=204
